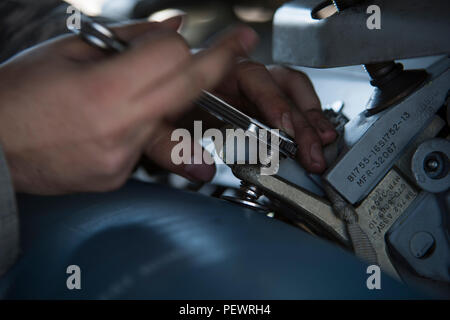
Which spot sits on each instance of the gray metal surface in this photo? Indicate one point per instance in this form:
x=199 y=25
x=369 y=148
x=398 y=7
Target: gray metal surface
x=148 y=241
x=431 y=131
x=315 y=209
x=409 y=28
x=373 y=143
x=381 y=209
x=409 y=238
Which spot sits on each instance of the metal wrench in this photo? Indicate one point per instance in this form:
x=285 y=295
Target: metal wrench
x=101 y=37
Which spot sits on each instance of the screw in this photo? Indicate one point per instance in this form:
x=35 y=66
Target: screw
x=432 y=165
x=251 y=192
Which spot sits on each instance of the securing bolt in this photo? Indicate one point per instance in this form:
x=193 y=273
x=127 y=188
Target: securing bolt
x=248 y=197
x=250 y=192
x=432 y=165
x=435 y=165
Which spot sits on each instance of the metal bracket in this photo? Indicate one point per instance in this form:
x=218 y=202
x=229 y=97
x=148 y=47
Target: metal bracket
x=409 y=28
x=306 y=204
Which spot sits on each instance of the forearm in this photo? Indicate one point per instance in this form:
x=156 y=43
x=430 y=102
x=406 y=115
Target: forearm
x=9 y=222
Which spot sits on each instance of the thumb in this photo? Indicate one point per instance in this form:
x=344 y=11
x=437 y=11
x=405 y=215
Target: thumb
x=132 y=30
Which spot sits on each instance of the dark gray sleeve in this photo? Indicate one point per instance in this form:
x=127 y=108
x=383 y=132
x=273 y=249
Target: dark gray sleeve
x=9 y=221
x=25 y=23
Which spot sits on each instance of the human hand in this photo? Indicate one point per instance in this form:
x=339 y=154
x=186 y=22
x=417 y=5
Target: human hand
x=73 y=120
x=287 y=100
